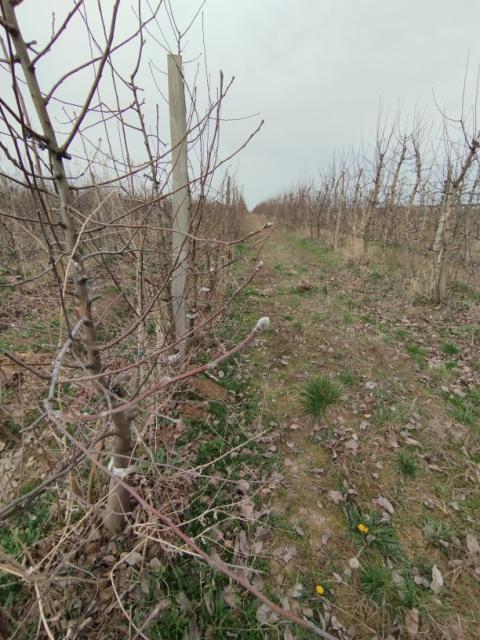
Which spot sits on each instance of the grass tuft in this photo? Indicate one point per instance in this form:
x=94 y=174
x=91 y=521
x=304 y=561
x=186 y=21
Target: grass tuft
x=449 y=349
x=407 y=463
x=348 y=378
x=319 y=394
x=377 y=584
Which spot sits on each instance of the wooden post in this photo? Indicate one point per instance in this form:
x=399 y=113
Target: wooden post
x=180 y=197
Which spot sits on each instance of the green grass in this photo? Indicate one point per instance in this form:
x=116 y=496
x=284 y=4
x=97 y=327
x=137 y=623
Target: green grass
x=348 y=378
x=438 y=533
x=377 y=583
x=466 y=410
x=466 y=291
x=27 y=528
x=401 y=334
x=449 y=349
x=318 y=396
x=323 y=255
x=407 y=463
x=417 y=353
x=242 y=248
x=393 y=414
x=380 y=536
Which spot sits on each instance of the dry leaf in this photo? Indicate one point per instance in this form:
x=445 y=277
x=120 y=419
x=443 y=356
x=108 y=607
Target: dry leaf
x=296 y=591
x=285 y=553
x=437 y=580
x=384 y=504
x=265 y=615
x=336 y=497
x=352 y=445
x=155 y=564
x=133 y=558
x=247 y=509
x=421 y=581
x=231 y=597
x=412 y=619
x=472 y=545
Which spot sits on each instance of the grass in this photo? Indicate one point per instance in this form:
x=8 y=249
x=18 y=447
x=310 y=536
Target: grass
x=348 y=378
x=438 y=533
x=318 y=396
x=377 y=583
x=407 y=463
x=466 y=409
x=323 y=256
x=370 y=531
x=449 y=349
x=417 y=353
x=16 y=537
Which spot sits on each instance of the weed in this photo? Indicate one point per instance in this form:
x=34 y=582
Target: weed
x=466 y=409
x=377 y=583
x=27 y=528
x=466 y=291
x=375 y=276
x=407 y=463
x=318 y=395
x=242 y=248
x=451 y=365
x=401 y=334
x=438 y=533
x=369 y=529
x=348 y=378
x=449 y=349
x=417 y=354
x=395 y=414
x=12 y=592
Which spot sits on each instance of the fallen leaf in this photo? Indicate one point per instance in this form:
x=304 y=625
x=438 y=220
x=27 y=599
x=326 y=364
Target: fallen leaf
x=133 y=558
x=265 y=615
x=243 y=486
x=336 y=497
x=163 y=605
x=247 y=509
x=354 y=563
x=421 y=581
x=231 y=597
x=472 y=544
x=385 y=504
x=285 y=553
x=437 y=580
x=398 y=580
x=296 y=591
x=412 y=620
x=352 y=445
x=155 y=564
x=183 y=602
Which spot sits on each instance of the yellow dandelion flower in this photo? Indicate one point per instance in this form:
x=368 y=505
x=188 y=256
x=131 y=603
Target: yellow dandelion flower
x=319 y=589
x=362 y=527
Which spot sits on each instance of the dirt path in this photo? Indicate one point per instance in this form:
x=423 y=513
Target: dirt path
x=391 y=455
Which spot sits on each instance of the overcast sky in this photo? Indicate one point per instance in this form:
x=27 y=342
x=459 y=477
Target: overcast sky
x=316 y=71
